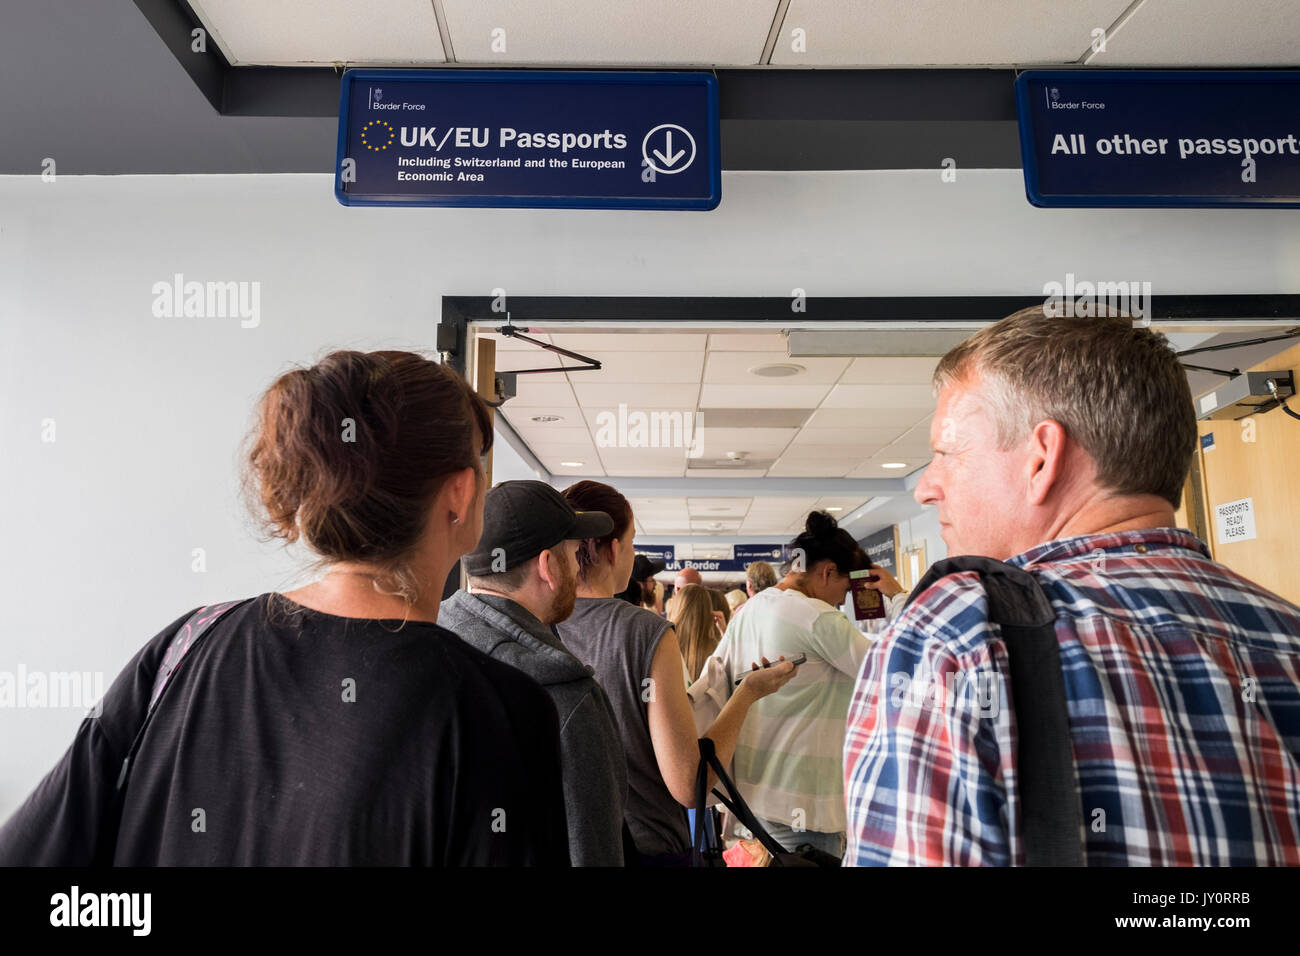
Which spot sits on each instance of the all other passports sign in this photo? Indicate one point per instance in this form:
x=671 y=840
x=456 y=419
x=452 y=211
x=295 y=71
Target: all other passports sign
x=1160 y=138
x=575 y=140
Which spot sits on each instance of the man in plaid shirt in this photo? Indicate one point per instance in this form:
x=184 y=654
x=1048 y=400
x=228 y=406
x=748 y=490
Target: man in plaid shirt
x=1061 y=446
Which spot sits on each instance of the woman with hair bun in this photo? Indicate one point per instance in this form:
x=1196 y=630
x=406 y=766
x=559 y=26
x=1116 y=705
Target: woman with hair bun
x=789 y=756
x=335 y=724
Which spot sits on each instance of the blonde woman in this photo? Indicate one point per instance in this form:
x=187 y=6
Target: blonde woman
x=696 y=621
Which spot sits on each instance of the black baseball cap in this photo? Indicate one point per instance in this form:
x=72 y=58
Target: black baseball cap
x=524 y=518
x=643 y=568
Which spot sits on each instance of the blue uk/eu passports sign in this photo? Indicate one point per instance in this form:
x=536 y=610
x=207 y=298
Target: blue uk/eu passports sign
x=1203 y=138
x=565 y=139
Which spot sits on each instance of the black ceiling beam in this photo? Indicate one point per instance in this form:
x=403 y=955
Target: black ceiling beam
x=174 y=22
x=939 y=309
x=770 y=119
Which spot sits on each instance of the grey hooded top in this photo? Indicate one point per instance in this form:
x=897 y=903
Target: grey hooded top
x=593 y=764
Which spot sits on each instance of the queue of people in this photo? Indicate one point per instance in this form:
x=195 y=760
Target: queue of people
x=541 y=716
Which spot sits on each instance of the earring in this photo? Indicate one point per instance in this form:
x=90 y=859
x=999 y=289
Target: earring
x=455 y=519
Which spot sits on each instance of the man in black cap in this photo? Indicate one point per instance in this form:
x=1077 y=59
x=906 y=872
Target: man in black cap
x=523 y=579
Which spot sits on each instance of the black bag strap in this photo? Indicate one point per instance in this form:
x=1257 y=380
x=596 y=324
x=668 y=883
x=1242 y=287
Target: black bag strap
x=702 y=851
x=183 y=641
x=733 y=801
x=1050 y=810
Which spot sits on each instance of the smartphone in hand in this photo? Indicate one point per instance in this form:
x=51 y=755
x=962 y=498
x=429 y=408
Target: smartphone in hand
x=796 y=661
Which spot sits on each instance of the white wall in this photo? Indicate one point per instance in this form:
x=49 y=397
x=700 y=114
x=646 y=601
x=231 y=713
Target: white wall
x=923 y=529
x=99 y=525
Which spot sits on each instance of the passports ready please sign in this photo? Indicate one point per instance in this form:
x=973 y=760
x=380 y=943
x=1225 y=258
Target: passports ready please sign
x=564 y=139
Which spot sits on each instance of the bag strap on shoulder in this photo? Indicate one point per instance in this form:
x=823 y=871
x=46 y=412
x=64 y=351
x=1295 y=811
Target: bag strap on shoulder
x=186 y=638
x=1049 y=803
x=191 y=633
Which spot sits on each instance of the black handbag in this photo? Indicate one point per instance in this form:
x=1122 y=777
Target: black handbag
x=1051 y=809
x=711 y=855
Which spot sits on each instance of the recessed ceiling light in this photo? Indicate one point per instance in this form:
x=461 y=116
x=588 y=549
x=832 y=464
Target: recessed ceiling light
x=570 y=464
x=894 y=464
x=777 y=370
x=547 y=418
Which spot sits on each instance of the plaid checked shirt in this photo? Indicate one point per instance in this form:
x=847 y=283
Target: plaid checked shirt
x=1182 y=682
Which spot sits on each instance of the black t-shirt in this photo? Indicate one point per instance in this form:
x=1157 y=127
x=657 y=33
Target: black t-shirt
x=292 y=737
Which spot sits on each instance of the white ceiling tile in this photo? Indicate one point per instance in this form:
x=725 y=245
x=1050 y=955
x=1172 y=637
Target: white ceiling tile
x=855 y=418
x=718 y=507
x=589 y=468
x=782 y=517
x=730 y=32
x=873 y=469
x=774 y=520
x=716 y=525
x=543 y=394
x=643 y=398
x=678 y=503
x=538 y=435
x=1201 y=33
x=679 y=526
x=769 y=395
x=521 y=416
x=836 y=437
x=726 y=472
x=716 y=442
x=620 y=368
x=815 y=456
x=756 y=526
x=776 y=502
x=644 y=471
x=872 y=399
x=748 y=342
x=898 y=370
x=734 y=368
x=583 y=451
x=804 y=469
x=659 y=510
x=941 y=33
x=649 y=456
x=839 y=450
x=905 y=449
x=304 y=32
